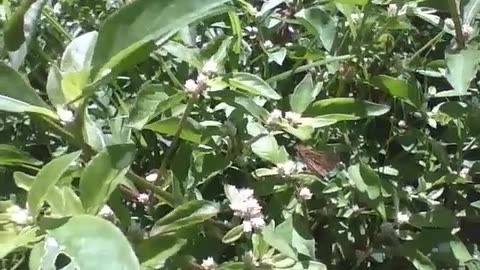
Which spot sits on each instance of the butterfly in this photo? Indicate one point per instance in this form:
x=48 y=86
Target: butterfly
x=318 y=162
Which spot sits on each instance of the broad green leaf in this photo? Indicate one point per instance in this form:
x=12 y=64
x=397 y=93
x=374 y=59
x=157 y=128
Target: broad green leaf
x=399 y=88
x=252 y=84
x=185 y=215
x=353 y=2
x=10 y=155
x=348 y=107
x=10 y=240
x=17 y=96
x=78 y=53
x=366 y=180
x=321 y=24
x=13 y=32
x=143 y=21
x=54 y=86
x=296 y=232
x=103 y=173
x=304 y=94
x=437 y=218
x=62 y=199
x=268 y=149
x=46 y=180
x=191 y=131
x=188 y=55
x=92 y=133
x=154 y=250
x=233 y=235
x=470 y=10
x=462 y=66
x=146 y=104
x=272 y=237
x=92 y=243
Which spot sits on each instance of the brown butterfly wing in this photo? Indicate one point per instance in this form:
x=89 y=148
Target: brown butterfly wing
x=316 y=161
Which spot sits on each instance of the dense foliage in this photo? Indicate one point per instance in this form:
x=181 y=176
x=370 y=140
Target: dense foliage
x=236 y=134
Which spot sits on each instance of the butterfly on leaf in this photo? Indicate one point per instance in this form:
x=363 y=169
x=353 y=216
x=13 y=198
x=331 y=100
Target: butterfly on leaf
x=318 y=162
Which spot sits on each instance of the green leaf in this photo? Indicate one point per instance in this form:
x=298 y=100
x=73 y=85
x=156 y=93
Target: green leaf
x=191 y=131
x=321 y=23
x=78 y=53
x=366 y=180
x=353 y=2
x=185 y=215
x=438 y=218
x=146 y=104
x=13 y=32
x=10 y=240
x=347 y=107
x=92 y=243
x=274 y=239
x=10 y=155
x=268 y=149
x=304 y=94
x=103 y=173
x=252 y=84
x=154 y=250
x=17 y=96
x=233 y=235
x=296 y=232
x=470 y=10
x=140 y=22
x=462 y=66
x=399 y=88
x=188 y=55
x=46 y=179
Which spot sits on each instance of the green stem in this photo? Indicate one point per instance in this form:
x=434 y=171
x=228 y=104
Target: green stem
x=286 y=74
x=430 y=43
x=452 y=5
x=162 y=175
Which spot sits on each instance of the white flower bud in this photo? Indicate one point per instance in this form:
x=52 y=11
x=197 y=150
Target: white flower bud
x=467 y=31
x=305 y=194
x=402 y=124
x=210 y=67
x=151 y=177
x=106 y=212
x=208 y=264
x=293 y=117
x=143 y=198
x=392 y=10
x=268 y=44
x=403 y=217
x=65 y=115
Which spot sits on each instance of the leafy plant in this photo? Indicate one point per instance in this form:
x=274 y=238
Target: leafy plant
x=172 y=134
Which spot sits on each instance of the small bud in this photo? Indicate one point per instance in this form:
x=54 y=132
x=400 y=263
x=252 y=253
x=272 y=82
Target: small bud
x=274 y=116
x=293 y=117
x=467 y=31
x=152 y=176
x=402 y=124
x=432 y=90
x=305 y=194
x=464 y=172
x=65 y=115
x=106 y=212
x=210 y=68
x=143 y=198
x=286 y=168
x=268 y=44
x=208 y=264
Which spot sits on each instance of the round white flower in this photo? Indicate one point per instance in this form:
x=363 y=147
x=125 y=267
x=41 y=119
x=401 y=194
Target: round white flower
x=274 y=116
x=467 y=31
x=432 y=90
x=464 y=172
x=402 y=124
x=403 y=217
x=268 y=44
x=143 y=198
x=449 y=23
x=210 y=67
x=191 y=86
x=305 y=193
x=106 y=212
x=151 y=177
x=208 y=264
x=19 y=215
x=65 y=114
x=286 y=168
x=293 y=117
x=392 y=10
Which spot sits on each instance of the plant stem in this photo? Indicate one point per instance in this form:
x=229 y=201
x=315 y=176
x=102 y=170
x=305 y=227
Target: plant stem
x=162 y=171
x=306 y=67
x=452 y=5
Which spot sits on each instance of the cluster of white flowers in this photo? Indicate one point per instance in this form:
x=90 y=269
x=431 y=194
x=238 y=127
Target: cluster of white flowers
x=392 y=10
x=276 y=115
x=305 y=194
x=106 y=212
x=403 y=217
x=245 y=206
x=19 y=215
x=65 y=115
x=208 y=264
x=467 y=31
x=143 y=198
